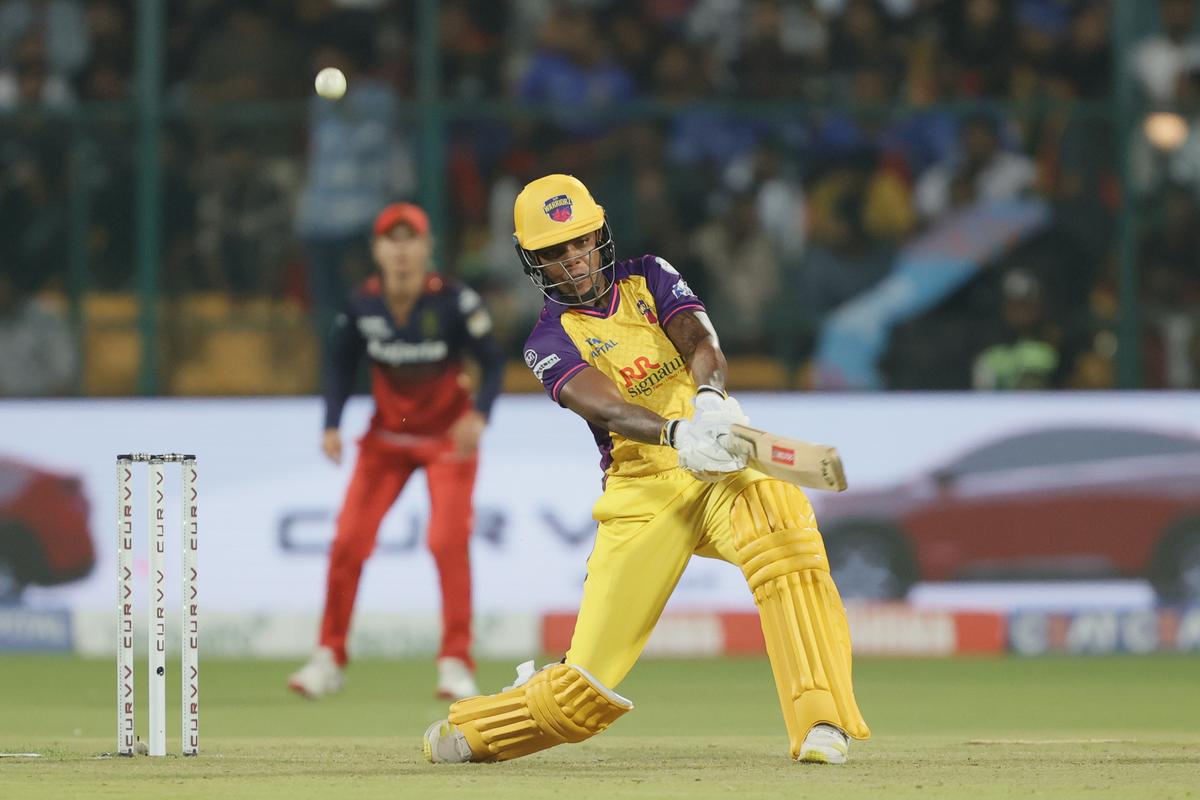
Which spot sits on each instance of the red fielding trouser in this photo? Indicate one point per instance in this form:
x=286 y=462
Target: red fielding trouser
x=380 y=474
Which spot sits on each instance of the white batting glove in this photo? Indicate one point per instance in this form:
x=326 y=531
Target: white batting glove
x=706 y=447
x=700 y=452
x=714 y=407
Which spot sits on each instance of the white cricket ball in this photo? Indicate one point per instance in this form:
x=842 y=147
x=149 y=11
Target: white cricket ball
x=1165 y=130
x=331 y=83
x=141 y=748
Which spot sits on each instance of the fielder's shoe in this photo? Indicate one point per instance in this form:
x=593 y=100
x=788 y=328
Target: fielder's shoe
x=825 y=744
x=319 y=677
x=455 y=679
x=443 y=743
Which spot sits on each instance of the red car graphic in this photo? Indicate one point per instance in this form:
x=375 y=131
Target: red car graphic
x=44 y=535
x=1064 y=502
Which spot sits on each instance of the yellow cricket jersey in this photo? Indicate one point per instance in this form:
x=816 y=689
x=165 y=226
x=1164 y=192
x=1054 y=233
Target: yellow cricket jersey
x=626 y=342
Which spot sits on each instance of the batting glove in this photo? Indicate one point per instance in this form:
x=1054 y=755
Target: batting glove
x=714 y=406
x=706 y=446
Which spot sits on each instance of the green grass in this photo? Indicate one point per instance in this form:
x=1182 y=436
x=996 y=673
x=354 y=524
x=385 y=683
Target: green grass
x=1119 y=727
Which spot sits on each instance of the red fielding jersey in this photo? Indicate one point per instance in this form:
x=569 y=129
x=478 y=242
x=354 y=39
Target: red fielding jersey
x=417 y=377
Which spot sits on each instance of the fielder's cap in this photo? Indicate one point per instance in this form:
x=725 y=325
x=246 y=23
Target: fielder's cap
x=402 y=214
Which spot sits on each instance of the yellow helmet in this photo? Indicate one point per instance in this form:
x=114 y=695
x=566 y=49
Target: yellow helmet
x=556 y=209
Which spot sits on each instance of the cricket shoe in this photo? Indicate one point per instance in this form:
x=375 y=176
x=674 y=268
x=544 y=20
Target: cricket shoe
x=824 y=744
x=455 y=679
x=443 y=743
x=319 y=677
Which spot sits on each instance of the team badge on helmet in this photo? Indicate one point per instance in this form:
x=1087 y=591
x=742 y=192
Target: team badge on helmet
x=558 y=208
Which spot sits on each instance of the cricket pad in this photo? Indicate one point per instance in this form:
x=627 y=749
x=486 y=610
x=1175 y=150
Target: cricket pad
x=560 y=703
x=804 y=623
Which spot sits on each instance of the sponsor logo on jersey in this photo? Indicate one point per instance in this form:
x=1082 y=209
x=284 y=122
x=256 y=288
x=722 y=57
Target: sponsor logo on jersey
x=479 y=323
x=531 y=358
x=399 y=353
x=468 y=300
x=666 y=265
x=682 y=290
x=646 y=311
x=599 y=346
x=374 y=327
x=645 y=376
x=558 y=208
x=539 y=369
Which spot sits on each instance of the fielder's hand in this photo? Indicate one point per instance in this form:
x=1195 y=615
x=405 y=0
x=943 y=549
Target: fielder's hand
x=331 y=445
x=465 y=432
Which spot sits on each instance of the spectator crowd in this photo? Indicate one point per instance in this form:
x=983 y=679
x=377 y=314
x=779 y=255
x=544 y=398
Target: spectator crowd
x=783 y=154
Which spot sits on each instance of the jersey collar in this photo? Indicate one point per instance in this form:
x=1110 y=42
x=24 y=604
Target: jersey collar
x=613 y=305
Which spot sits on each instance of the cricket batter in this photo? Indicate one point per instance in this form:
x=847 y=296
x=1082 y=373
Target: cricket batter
x=415 y=327
x=627 y=346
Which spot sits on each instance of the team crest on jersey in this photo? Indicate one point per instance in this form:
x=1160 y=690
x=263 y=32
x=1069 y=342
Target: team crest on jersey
x=429 y=324
x=558 y=208
x=646 y=311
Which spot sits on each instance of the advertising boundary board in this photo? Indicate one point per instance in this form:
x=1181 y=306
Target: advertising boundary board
x=267 y=501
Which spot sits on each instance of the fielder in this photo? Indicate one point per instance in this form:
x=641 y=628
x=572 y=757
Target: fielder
x=627 y=346
x=416 y=328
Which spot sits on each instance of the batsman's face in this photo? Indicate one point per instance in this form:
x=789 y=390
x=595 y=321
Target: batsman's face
x=403 y=257
x=574 y=265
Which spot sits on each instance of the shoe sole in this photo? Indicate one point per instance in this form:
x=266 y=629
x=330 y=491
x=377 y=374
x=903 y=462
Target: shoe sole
x=816 y=756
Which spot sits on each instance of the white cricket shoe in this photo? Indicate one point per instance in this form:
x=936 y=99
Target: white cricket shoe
x=444 y=743
x=824 y=744
x=455 y=679
x=319 y=677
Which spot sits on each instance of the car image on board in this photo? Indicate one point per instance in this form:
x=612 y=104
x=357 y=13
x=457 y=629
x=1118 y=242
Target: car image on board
x=1062 y=502
x=44 y=535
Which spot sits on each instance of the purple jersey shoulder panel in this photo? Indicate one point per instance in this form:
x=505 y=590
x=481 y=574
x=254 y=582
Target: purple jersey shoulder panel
x=551 y=354
x=671 y=292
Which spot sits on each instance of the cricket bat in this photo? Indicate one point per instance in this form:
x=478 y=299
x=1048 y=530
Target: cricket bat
x=816 y=466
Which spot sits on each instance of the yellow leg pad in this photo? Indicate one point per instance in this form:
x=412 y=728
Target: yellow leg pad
x=803 y=620
x=560 y=703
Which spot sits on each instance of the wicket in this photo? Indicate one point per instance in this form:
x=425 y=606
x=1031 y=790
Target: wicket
x=157 y=627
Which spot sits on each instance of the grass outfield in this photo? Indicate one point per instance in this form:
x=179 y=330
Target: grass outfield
x=1120 y=727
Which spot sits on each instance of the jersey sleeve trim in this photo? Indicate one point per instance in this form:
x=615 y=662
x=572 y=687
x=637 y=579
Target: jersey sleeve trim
x=677 y=309
x=571 y=373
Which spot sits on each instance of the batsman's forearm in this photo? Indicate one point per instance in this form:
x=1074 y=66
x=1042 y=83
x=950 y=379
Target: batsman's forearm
x=632 y=422
x=708 y=365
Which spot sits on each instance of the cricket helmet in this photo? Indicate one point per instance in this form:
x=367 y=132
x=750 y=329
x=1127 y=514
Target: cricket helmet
x=556 y=209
